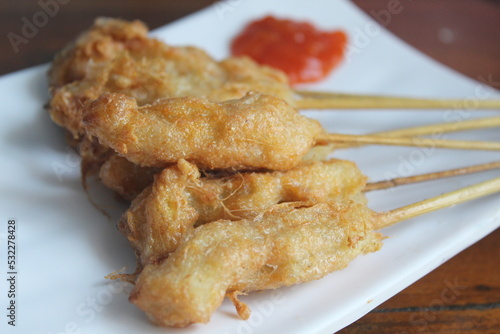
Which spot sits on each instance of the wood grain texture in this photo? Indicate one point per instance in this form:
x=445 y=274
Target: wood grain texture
x=462 y=295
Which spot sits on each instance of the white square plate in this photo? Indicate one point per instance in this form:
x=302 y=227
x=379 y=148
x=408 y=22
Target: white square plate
x=65 y=246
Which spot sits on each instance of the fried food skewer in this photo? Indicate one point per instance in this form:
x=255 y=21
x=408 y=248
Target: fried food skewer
x=327 y=100
x=118 y=56
x=180 y=198
x=288 y=244
x=115 y=55
x=256 y=131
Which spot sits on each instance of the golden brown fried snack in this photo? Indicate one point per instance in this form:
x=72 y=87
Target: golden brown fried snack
x=124 y=177
x=117 y=56
x=102 y=42
x=84 y=59
x=256 y=131
x=180 y=199
x=288 y=244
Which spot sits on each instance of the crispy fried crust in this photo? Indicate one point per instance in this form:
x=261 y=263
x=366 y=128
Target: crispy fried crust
x=102 y=42
x=124 y=99
x=125 y=178
x=256 y=131
x=117 y=56
x=287 y=244
x=180 y=199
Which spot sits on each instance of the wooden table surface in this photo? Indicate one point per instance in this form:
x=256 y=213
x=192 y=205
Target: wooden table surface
x=463 y=34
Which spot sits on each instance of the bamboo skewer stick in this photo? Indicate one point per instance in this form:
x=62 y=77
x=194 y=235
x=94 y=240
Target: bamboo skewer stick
x=326 y=100
x=335 y=138
x=430 y=176
x=473 y=124
x=482 y=189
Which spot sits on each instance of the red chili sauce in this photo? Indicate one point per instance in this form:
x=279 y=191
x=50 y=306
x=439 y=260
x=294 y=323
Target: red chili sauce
x=304 y=53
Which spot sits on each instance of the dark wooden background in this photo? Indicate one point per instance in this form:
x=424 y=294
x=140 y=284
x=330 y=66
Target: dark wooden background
x=463 y=34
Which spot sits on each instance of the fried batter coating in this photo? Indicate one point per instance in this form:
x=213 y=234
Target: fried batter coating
x=124 y=177
x=180 y=199
x=288 y=244
x=117 y=56
x=102 y=42
x=256 y=131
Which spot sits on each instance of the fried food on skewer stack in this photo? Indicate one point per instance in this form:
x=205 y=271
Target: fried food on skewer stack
x=238 y=134
x=167 y=212
x=287 y=226
x=181 y=198
x=175 y=298
x=118 y=56
x=288 y=243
